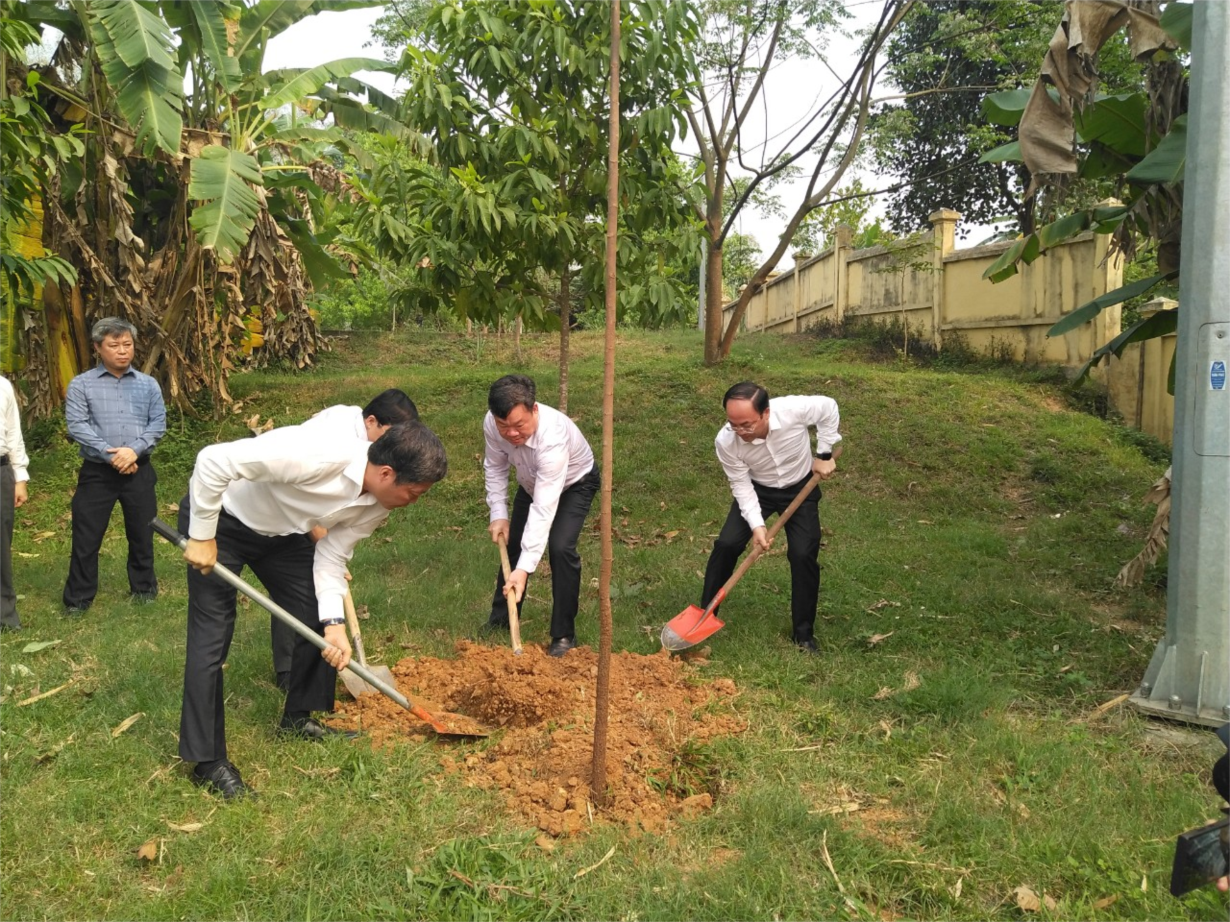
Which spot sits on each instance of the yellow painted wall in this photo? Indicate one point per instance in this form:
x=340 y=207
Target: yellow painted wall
x=939 y=292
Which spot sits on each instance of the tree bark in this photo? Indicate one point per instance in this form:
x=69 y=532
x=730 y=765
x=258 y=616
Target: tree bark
x=602 y=691
x=565 y=323
x=713 y=300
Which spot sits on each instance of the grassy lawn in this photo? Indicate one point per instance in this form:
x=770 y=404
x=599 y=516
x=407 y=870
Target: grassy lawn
x=974 y=528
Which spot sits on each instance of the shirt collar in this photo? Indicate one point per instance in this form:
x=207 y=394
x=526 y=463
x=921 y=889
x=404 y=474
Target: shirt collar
x=357 y=467
x=100 y=369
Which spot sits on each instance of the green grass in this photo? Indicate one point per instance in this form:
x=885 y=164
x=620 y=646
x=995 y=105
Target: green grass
x=976 y=519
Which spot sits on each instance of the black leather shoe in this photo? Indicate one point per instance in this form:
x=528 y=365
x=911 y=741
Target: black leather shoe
x=10 y=627
x=144 y=598
x=282 y=680
x=561 y=645
x=807 y=646
x=76 y=611
x=309 y=729
x=222 y=779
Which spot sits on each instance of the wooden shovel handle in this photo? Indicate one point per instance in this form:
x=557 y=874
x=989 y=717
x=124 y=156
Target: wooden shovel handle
x=352 y=621
x=514 y=623
x=777 y=526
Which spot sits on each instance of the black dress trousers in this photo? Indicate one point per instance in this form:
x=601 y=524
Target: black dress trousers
x=802 y=550
x=99 y=486
x=284 y=565
x=574 y=504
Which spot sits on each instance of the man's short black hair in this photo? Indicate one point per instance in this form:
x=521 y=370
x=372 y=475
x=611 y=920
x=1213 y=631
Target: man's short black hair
x=413 y=451
x=509 y=392
x=748 y=390
x=112 y=326
x=391 y=407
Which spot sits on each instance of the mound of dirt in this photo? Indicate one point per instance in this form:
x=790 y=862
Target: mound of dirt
x=540 y=711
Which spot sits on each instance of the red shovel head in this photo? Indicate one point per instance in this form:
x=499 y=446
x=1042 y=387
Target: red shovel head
x=689 y=628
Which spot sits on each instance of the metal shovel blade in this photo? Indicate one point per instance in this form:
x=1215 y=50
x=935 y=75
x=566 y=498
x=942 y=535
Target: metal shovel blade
x=357 y=686
x=689 y=628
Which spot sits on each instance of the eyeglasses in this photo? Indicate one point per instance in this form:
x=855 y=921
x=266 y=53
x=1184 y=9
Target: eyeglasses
x=742 y=427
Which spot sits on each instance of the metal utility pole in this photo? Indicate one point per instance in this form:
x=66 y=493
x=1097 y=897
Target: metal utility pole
x=1189 y=675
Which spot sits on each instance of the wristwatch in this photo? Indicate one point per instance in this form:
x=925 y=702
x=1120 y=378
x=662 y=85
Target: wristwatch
x=824 y=455
x=330 y=622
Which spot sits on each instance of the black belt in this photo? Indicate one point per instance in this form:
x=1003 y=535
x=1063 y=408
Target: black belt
x=4 y=460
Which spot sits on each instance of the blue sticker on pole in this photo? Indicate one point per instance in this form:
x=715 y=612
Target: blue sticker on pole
x=1217 y=376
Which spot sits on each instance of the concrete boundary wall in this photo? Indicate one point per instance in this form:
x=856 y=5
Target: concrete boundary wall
x=937 y=290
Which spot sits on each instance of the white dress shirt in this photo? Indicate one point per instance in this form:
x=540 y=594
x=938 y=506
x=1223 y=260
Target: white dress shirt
x=548 y=462
x=341 y=420
x=11 y=442
x=285 y=482
x=784 y=456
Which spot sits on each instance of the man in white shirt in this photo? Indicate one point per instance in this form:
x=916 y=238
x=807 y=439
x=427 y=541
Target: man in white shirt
x=13 y=495
x=765 y=450
x=253 y=503
x=388 y=408
x=556 y=483
x=367 y=424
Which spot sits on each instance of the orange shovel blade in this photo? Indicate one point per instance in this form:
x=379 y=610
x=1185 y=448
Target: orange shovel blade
x=689 y=628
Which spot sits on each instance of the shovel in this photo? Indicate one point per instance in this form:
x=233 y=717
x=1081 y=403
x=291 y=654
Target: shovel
x=514 y=623
x=385 y=688
x=694 y=624
x=353 y=683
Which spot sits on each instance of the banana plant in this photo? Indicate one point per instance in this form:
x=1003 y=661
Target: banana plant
x=202 y=203
x=1118 y=137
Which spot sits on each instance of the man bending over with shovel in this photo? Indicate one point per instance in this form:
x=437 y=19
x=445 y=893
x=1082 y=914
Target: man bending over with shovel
x=340 y=422
x=765 y=450
x=253 y=502
x=556 y=483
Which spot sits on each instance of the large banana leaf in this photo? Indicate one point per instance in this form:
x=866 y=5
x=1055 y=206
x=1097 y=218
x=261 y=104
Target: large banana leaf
x=135 y=35
x=220 y=178
x=137 y=53
x=1091 y=309
x=211 y=23
x=151 y=99
x=300 y=83
x=1166 y=162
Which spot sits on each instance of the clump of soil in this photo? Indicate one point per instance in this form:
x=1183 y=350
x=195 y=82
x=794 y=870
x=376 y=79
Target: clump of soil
x=540 y=711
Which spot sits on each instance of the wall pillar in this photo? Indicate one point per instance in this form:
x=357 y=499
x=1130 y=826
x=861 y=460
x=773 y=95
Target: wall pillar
x=842 y=244
x=943 y=232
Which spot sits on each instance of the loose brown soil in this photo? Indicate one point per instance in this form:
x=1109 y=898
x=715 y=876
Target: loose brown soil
x=540 y=711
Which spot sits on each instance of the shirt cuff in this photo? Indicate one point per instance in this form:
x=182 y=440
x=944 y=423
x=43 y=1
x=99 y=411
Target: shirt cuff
x=329 y=608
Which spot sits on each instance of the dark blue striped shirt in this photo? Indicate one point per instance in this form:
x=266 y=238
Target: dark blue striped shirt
x=104 y=411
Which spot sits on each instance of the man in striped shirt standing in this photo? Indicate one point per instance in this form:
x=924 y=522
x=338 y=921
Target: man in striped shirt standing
x=765 y=450
x=116 y=416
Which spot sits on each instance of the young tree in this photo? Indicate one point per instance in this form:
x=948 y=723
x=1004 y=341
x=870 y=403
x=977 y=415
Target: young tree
x=509 y=215
x=744 y=41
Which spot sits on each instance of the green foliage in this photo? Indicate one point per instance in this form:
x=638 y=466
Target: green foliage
x=1121 y=136
x=850 y=207
x=31 y=154
x=223 y=179
x=947 y=57
x=136 y=49
x=513 y=99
